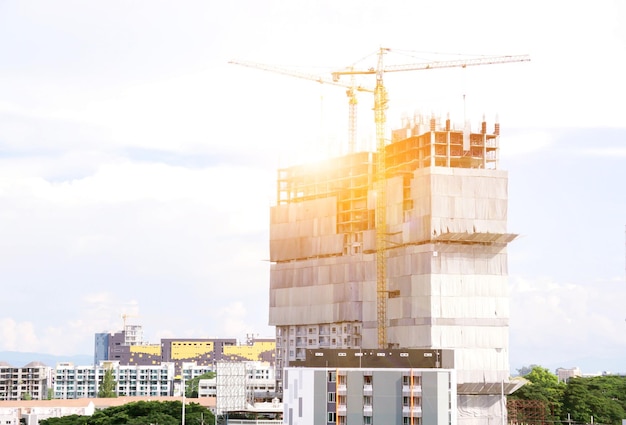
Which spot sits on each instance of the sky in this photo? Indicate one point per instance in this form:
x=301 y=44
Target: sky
x=137 y=166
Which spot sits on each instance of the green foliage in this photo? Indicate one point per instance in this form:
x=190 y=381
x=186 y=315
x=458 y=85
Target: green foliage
x=140 y=413
x=542 y=376
x=603 y=397
x=543 y=386
x=191 y=390
x=107 y=387
x=66 y=420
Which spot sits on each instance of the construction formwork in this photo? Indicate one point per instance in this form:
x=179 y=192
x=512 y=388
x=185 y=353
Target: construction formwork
x=230 y=386
x=446 y=256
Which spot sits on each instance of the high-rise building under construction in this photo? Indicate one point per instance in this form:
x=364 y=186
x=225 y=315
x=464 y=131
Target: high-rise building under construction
x=445 y=255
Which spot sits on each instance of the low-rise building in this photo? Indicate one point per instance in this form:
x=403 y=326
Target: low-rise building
x=407 y=387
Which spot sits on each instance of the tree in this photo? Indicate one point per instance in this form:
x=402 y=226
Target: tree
x=542 y=376
x=603 y=397
x=544 y=386
x=108 y=385
x=140 y=413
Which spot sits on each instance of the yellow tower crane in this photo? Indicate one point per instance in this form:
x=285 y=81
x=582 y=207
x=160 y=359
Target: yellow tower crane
x=380 y=105
x=351 y=91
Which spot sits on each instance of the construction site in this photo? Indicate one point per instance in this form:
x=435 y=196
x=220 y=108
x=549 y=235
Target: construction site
x=404 y=246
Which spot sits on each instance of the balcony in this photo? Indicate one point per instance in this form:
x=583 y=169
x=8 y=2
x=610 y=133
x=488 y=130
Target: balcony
x=415 y=390
x=415 y=411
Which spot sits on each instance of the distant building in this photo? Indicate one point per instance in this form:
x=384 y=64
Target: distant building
x=74 y=382
x=565 y=374
x=354 y=387
x=29 y=382
x=128 y=348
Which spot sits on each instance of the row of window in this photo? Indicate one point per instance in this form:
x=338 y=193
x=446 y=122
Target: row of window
x=326 y=330
x=407 y=380
x=367 y=420
x=367 y=400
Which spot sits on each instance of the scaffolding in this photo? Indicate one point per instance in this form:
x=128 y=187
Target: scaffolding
x=446 y=236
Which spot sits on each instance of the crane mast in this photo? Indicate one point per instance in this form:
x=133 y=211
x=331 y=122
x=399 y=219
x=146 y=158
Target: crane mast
x=380 y=105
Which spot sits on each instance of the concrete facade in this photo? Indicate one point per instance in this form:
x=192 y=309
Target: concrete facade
x=360 y=390
x=31 y=381
x=445 y=257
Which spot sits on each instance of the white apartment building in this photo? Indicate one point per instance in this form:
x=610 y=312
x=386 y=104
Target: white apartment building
x=71 y=382
x=31 y=381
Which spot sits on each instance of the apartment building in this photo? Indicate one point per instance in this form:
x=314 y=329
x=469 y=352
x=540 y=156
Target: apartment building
x=128 y=348
x=29 y=382
x=357 y=387
x=72 y=382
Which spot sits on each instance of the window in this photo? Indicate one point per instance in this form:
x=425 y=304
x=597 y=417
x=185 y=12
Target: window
x=367 y=380
x=332 y=417
x=341 y=400
x=332 y=376
x=367 y=400
x=367 y=420
x=331 y=397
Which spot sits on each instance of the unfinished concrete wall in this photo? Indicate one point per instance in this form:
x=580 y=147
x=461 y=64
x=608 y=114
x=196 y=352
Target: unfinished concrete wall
x=446 y=262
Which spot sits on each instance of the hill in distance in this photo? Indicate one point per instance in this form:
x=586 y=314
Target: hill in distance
x=20 y=359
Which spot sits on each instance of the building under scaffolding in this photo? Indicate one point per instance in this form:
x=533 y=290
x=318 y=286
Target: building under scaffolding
x=445 y=252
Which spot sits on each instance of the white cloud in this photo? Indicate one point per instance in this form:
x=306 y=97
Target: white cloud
x=562 y=323
x=608 y=152
x=18 y=336
x=525 y=142
x=89 y=220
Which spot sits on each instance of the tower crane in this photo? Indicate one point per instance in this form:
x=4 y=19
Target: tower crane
x=125 y=317
x=380 y=105
x=351 y=91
